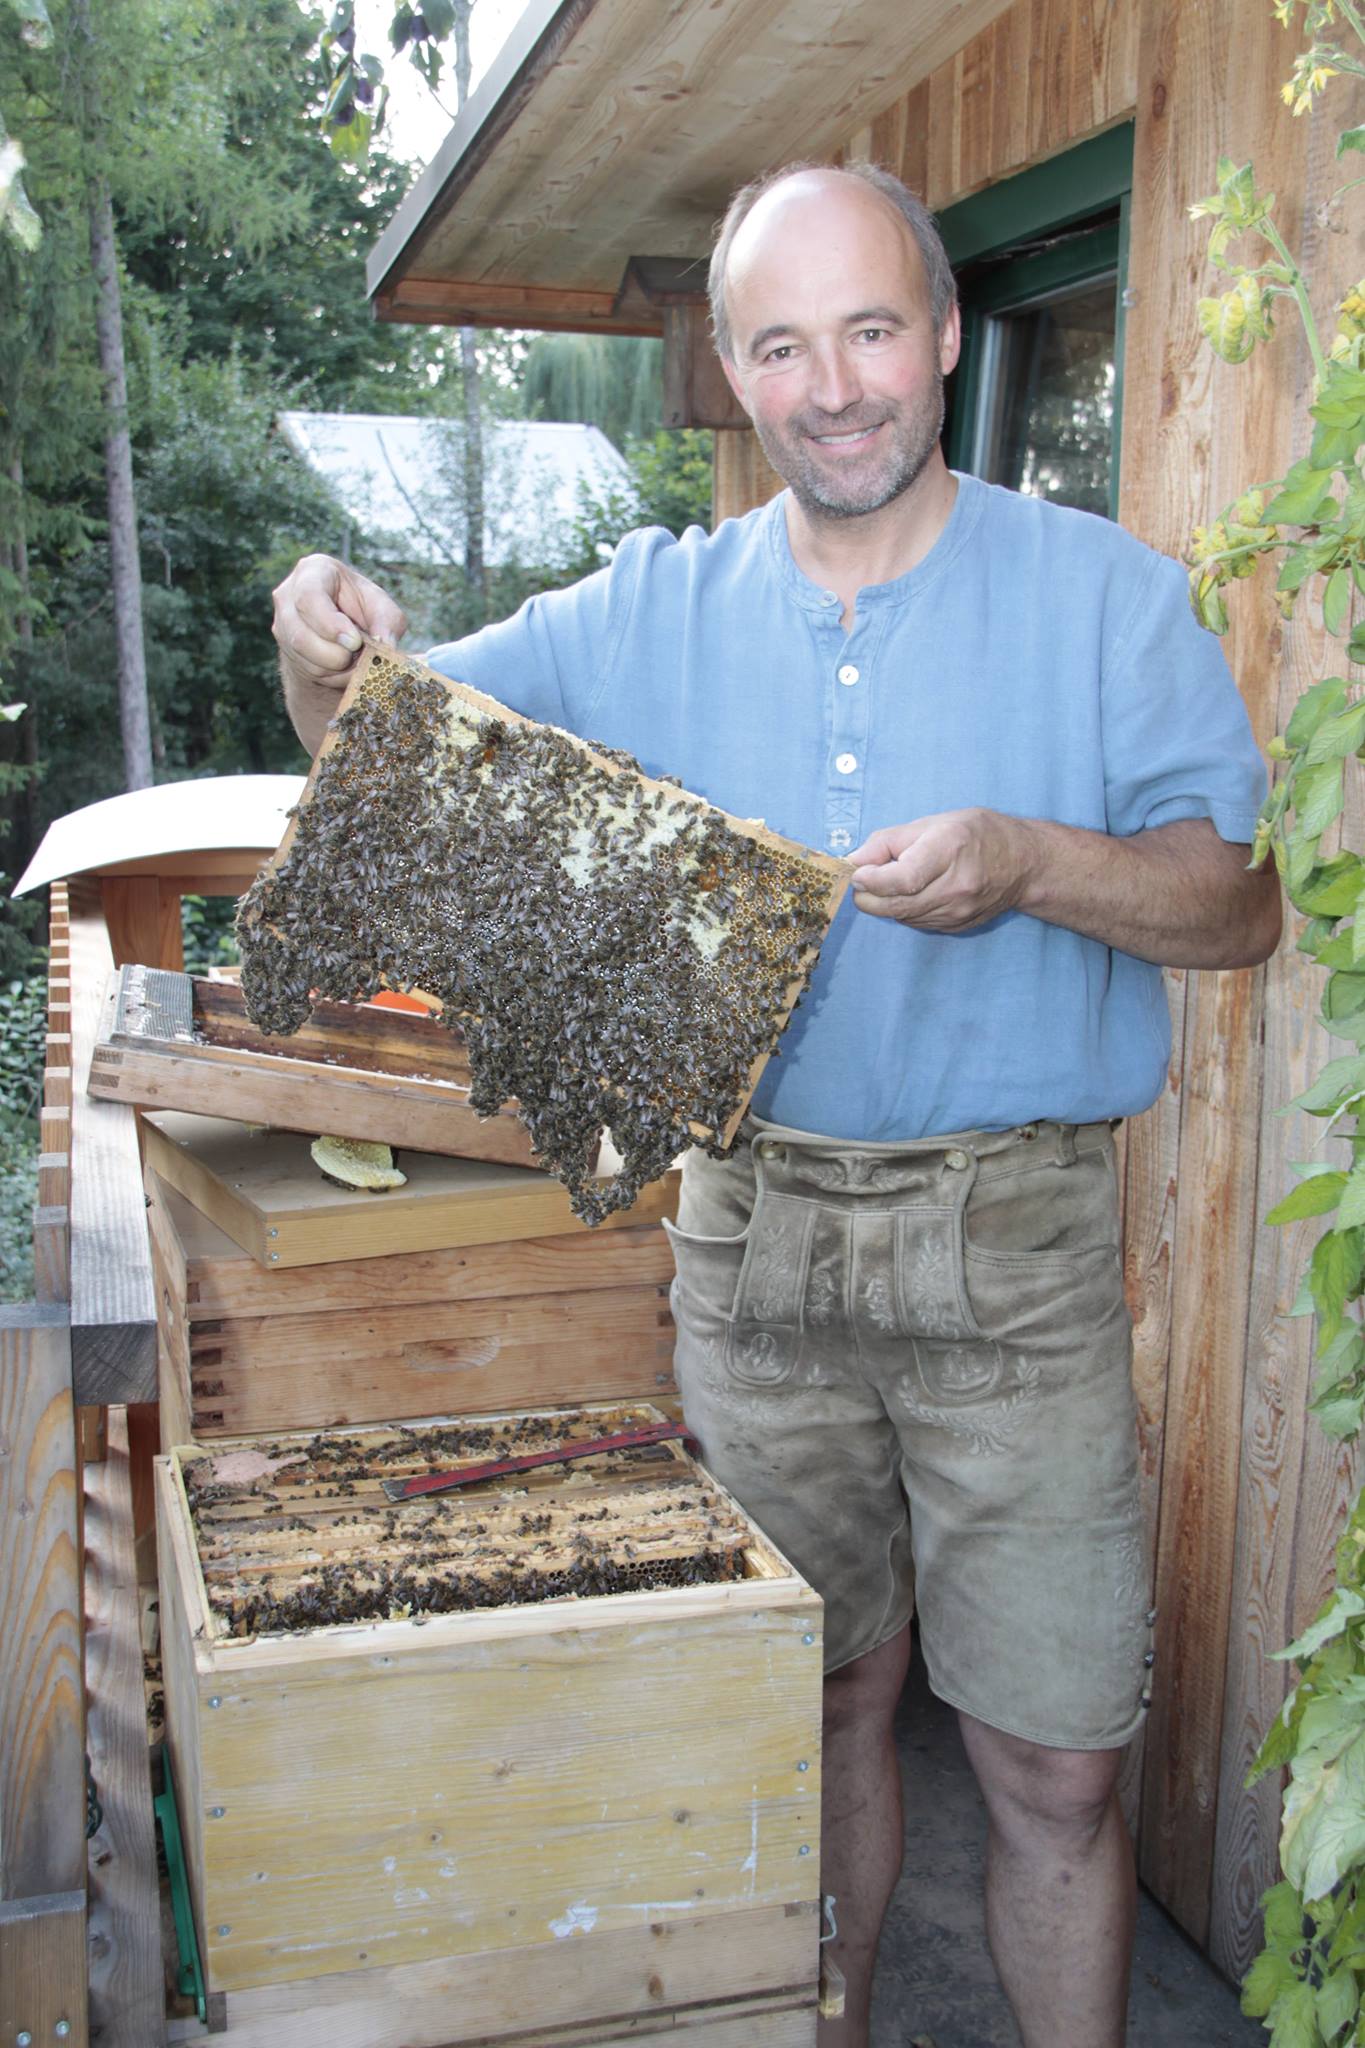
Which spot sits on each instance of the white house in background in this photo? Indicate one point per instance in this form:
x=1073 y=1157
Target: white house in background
x=399 y=479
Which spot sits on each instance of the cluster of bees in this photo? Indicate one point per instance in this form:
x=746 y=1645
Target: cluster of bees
x=613 y=952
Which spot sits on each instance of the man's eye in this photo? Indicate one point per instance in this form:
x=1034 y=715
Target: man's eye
x=780 y=354
x=872 y=333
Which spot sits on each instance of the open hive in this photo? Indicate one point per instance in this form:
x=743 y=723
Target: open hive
x=298 y=1533
x=614 y=949
x=616 y=1738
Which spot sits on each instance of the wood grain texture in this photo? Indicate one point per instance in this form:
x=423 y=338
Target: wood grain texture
x=113 y=1315
x=1039 y=77
x=142 y=916
x=266 y=1192
x=748 y=1965
x=42 y=1809
x=743 y=478
x=1295 y=1484
x=126 y=1992
x=42 y=1968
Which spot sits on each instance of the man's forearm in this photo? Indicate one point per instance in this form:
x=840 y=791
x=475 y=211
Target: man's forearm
x=1178 y=894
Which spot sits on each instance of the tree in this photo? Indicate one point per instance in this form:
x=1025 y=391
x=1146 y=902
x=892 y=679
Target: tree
x=615 y=381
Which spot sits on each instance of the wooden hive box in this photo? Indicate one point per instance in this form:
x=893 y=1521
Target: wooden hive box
x=528 y=1323
x=538 y=1822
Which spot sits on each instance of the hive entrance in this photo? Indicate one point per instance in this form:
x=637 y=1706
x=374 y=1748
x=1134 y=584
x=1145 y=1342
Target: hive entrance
x=296 y=1533
x=615 y=950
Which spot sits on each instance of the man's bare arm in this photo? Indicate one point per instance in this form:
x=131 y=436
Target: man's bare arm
x=1177 y=894
x=322 y=609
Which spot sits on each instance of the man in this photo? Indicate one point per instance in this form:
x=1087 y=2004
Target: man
x=902 y=1338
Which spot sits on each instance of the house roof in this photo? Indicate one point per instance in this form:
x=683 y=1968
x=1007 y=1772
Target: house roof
x=607 y=129
x=399 y=479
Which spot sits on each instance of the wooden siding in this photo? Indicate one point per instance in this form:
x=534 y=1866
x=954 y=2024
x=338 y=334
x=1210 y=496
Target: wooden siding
x=1245 y=1495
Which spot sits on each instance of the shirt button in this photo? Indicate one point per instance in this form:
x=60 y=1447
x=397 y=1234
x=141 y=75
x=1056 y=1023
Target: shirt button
x=840 y=839
x=846 y=763
x=848 y=673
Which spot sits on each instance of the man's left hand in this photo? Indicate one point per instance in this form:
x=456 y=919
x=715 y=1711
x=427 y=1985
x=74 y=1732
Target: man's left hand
x=945 y=873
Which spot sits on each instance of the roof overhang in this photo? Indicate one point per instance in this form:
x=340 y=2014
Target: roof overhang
x=616 y=129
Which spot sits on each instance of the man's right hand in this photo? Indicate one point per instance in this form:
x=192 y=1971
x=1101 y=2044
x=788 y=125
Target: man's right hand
x=322 y=609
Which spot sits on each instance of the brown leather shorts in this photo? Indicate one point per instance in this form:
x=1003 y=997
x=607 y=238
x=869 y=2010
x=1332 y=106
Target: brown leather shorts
x=911 y=1364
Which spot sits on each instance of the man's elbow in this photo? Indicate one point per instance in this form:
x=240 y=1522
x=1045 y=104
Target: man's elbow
x=1257 y=921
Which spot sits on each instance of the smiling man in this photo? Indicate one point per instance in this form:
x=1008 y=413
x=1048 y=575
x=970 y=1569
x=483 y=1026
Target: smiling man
x=901 y=1333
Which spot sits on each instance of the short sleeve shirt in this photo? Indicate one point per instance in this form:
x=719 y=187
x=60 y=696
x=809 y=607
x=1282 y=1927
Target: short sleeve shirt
x=1039 y=661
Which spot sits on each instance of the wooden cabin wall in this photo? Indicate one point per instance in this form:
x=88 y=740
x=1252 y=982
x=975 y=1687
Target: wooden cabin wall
x=1245 y=1495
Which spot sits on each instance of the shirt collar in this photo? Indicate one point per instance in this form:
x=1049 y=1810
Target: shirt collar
x=958 y=530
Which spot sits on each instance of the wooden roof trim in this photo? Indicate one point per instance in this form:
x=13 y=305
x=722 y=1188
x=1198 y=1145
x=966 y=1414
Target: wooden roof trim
x=454 y=302
x=536 y=42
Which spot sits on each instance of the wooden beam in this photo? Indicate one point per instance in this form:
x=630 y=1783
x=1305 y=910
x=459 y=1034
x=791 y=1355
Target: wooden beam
x=744 y=478
x=42 y=1970
x=142 y=917
x=696 y=393
x=113 y=1310
x=42 y=1775
x=455 y=302
x=127 y=2003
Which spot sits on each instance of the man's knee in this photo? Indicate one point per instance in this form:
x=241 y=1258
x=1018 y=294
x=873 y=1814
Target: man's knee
x=865 y=1691
x=1029 y=1787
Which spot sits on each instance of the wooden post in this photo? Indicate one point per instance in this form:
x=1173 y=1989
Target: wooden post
x=744 y=478
x=42 y=1737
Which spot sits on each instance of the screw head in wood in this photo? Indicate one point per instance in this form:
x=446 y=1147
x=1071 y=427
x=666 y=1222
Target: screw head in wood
x=808 y=1640
x=62 y=2029
x=272 y=1233
x=274 y=1258
x=217 y=1700
x=23 y=2039
x=217 y=1812
x=803 y=1765
x=804 y=1850
x=224 y=1930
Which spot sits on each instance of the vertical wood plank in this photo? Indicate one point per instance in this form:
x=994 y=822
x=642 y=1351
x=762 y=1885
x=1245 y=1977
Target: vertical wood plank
x=42 y=1806
x=1295 y=1484
x=743 y=476
x=143 y=917
x=126 y=1994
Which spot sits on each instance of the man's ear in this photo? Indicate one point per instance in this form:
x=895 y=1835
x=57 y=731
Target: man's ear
x=950 y=339
x=732 y=379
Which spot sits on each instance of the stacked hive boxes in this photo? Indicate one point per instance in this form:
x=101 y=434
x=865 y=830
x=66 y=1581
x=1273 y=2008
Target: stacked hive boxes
x=578 y=1818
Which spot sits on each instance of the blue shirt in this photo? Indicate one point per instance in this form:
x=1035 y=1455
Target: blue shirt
x=1038 y=661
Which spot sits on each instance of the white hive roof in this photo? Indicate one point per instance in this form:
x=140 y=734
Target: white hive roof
x=400 y=477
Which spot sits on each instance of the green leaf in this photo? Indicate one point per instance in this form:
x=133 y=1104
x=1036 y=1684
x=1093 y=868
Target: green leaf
x=1337 y=2003
x=1269 y=1977
x=1352 y=1200
x=1233 y=323
x=1355 y=646
x=1322 y=700
x=1335 y=1273
x=1304 y=498
x=1332 y=890
x=1341 y=1607
x=1339 y=736
x=1336 y=601
x=1350 y=138
x=1340 y=1359
x=1311 y=1198
x=1340 y=1081
x=1339 y=1415
x=1293 y=2022
x=1344 y=995
x=1326 y=1834
x=1317 y=797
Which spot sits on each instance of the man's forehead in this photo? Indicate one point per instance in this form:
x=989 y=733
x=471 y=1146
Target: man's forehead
x=822 y=231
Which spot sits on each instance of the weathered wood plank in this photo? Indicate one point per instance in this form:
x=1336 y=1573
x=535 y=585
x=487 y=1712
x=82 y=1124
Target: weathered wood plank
x=126 y=1986
x=42 y=1969
x=113 y=1314
x=1295 y=1483
x=51 y=1254
x=749 y=1966
x=42 y=1806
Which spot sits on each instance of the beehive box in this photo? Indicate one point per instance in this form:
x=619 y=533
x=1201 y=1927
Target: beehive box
x=546 y=1799
x=526 y=1323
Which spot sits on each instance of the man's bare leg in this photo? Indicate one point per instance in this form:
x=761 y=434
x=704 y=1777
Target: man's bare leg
x=1060 y=1888
x=861 y=1822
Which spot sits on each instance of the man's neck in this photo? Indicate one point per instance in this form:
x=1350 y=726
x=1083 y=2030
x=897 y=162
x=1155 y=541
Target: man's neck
x=849 y=555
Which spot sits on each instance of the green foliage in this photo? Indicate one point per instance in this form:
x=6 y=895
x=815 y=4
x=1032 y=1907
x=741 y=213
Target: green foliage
x=611 y=381
x=208 y=932
x=1307 y=1983
x=23 y=1025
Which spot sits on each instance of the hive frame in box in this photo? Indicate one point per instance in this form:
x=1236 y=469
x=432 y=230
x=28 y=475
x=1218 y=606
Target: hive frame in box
x=542 y=1844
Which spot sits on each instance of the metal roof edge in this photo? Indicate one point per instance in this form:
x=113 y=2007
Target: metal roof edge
x=488 y=112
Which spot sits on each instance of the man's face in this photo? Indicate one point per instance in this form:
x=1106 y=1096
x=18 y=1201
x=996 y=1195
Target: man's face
x=836 y=361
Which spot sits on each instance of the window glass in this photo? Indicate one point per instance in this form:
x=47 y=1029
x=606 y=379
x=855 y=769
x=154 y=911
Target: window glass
x=1045 y=397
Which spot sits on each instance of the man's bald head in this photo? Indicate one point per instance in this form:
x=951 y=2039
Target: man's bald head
x=913 y=212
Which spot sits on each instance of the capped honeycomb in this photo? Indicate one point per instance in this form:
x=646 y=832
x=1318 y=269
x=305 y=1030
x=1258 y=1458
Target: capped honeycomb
x=297 y=1533
x=614 y=950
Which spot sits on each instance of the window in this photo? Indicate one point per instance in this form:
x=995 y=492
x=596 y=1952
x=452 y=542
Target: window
x=1040 y=260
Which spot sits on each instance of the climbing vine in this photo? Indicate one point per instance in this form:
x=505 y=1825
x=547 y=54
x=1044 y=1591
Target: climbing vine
x=1307 y=1983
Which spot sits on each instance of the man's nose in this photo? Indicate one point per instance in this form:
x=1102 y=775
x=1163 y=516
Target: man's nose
x=835 y=384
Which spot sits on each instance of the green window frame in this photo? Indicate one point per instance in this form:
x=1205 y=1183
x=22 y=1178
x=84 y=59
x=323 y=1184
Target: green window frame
x=1003 y=240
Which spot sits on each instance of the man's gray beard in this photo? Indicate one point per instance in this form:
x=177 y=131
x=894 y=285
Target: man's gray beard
x=808 y=485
